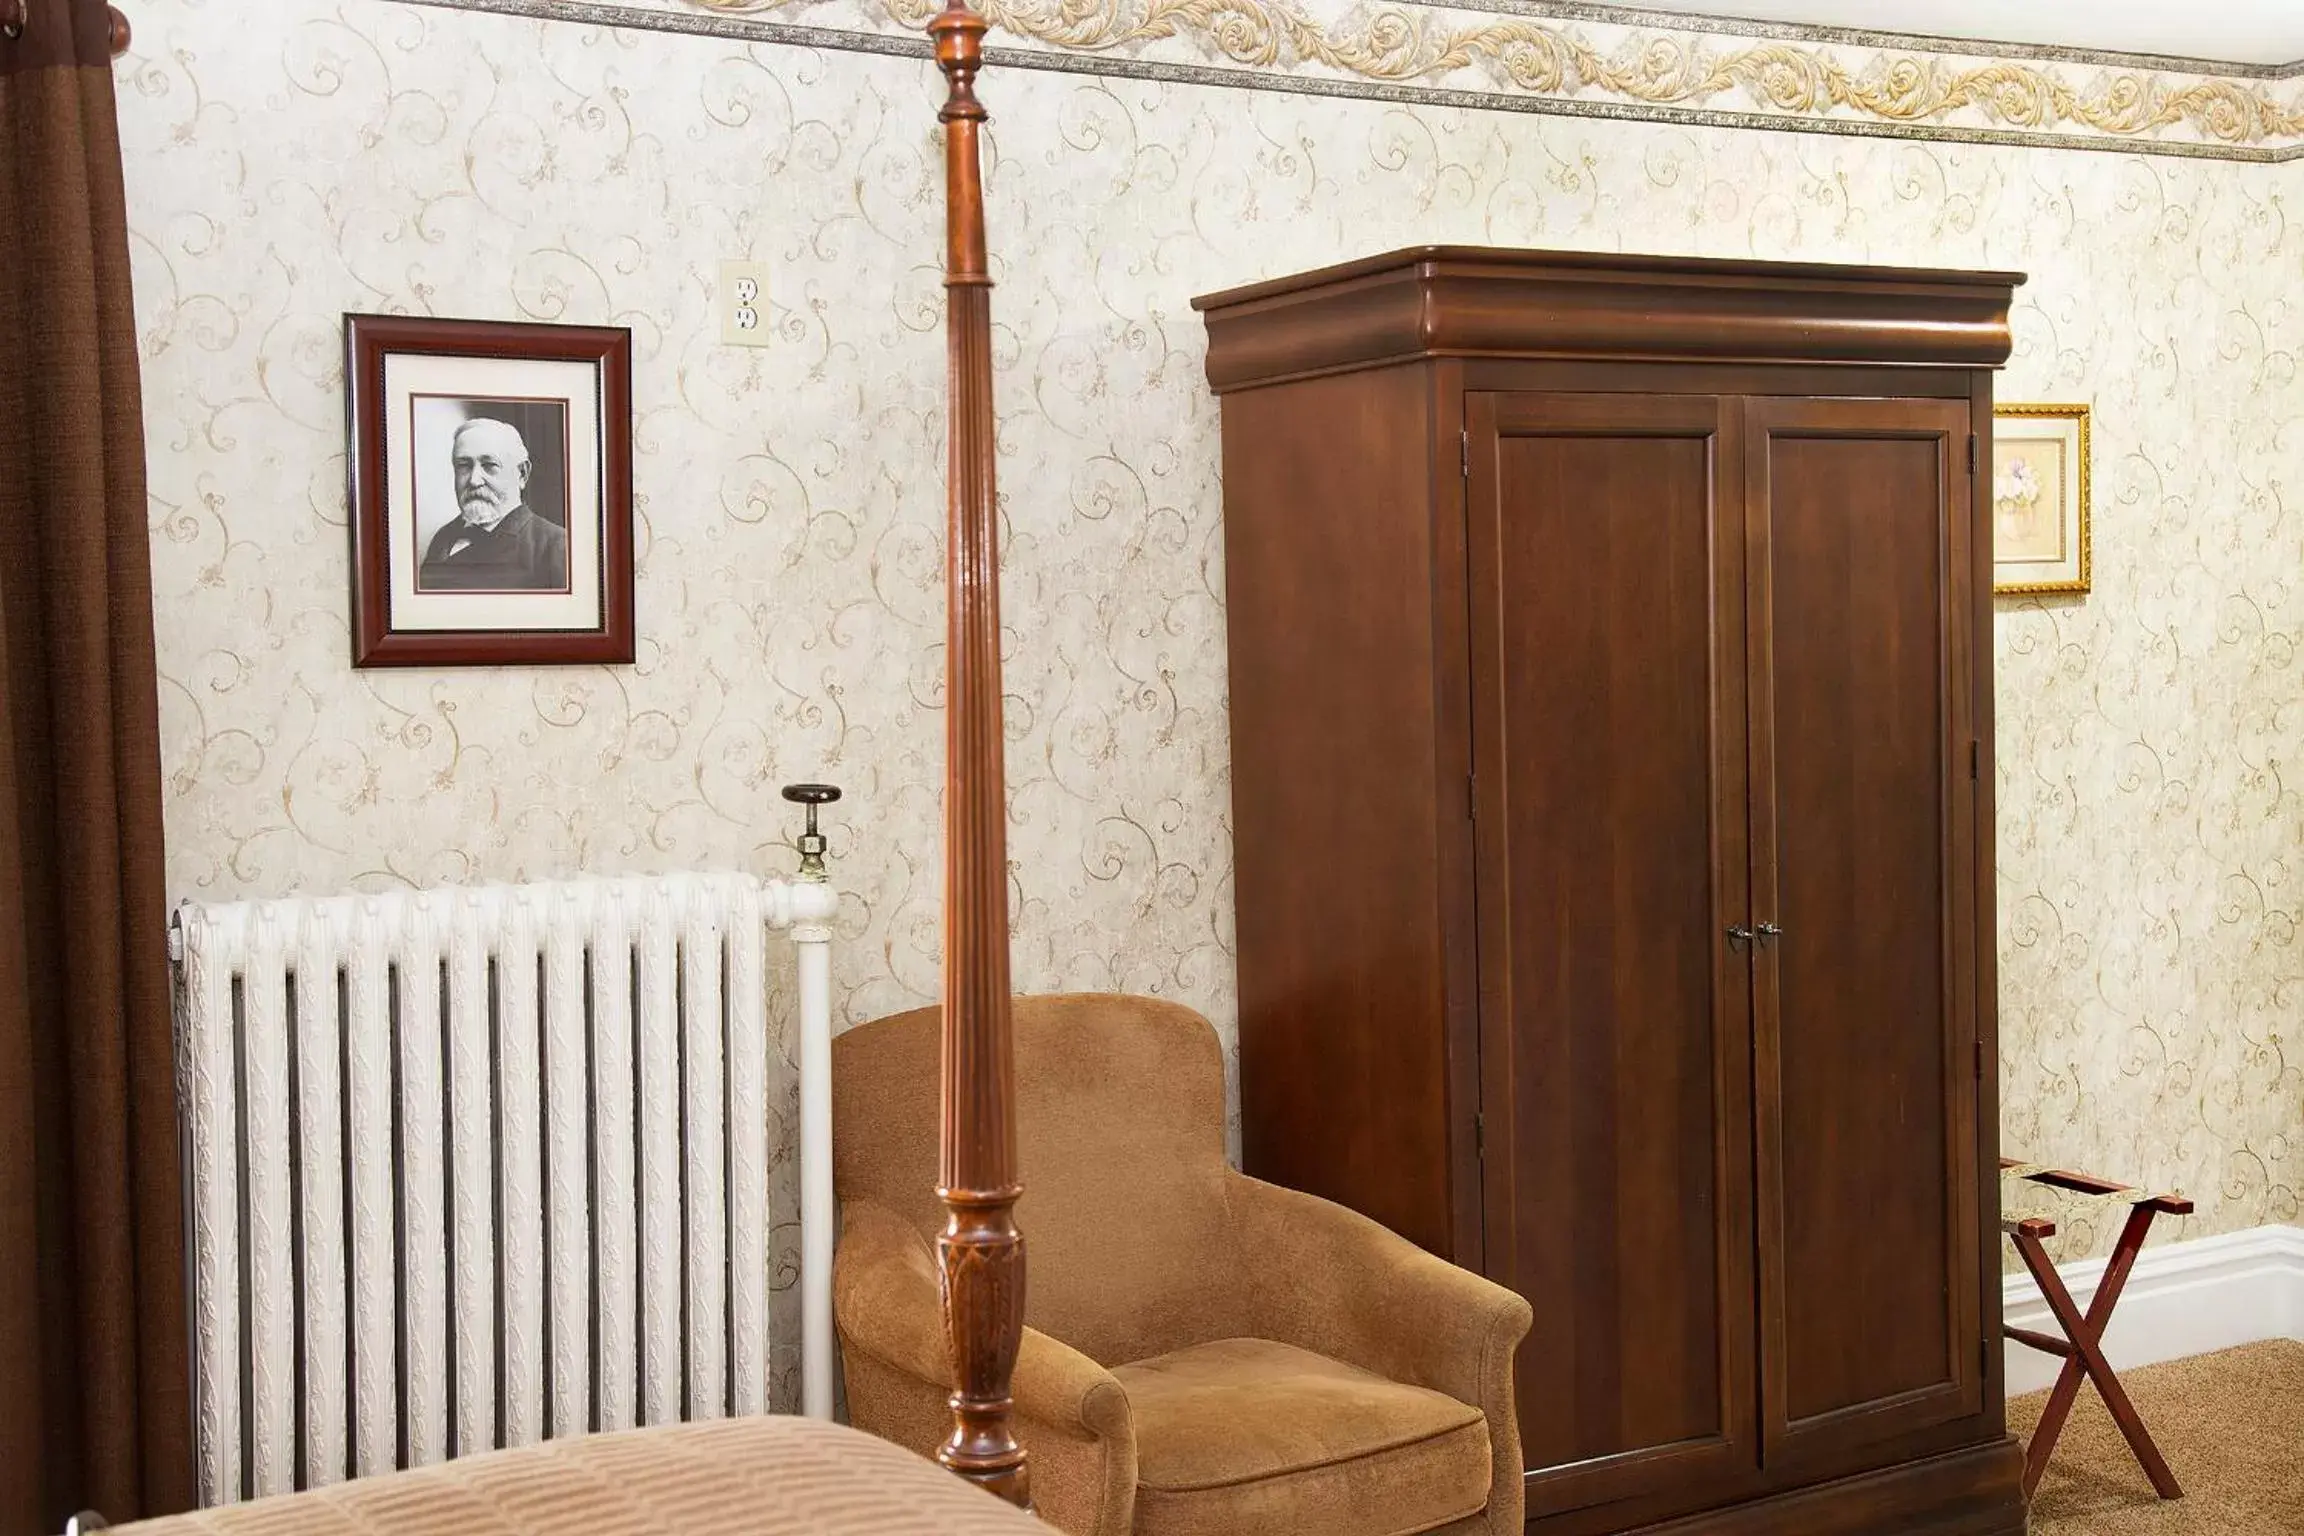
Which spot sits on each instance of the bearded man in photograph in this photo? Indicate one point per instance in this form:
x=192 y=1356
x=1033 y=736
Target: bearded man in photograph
x=496 y=543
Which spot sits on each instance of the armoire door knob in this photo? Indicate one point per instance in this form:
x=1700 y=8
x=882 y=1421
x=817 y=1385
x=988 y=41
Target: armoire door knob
x=1770 y=931
x=1740 y=935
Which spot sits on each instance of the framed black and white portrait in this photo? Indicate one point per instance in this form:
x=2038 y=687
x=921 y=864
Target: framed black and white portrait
x=491 y=487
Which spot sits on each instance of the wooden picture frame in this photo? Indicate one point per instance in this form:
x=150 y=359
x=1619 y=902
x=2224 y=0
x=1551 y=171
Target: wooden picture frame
x=2040 y=500
x=489 y=468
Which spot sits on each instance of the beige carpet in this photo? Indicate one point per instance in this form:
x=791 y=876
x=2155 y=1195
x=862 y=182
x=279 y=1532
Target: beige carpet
x=2231 y=1426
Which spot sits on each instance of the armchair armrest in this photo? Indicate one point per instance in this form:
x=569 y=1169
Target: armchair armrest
x=1330 y=1280
x=886 y=1301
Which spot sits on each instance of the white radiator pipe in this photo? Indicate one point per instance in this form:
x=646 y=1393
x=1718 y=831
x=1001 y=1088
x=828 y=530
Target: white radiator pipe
x=813 y=906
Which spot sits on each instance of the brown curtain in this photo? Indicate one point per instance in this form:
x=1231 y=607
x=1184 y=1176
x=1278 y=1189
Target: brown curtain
x=93 y=1391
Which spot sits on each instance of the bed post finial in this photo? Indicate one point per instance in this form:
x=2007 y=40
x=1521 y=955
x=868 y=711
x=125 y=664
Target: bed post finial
x=980 y=1254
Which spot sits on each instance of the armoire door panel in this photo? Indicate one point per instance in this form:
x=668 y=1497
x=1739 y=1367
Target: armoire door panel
x=1609 y=741
x=1865 y=1095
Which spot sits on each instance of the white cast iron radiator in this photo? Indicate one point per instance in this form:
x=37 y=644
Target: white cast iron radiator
x=475 y=1167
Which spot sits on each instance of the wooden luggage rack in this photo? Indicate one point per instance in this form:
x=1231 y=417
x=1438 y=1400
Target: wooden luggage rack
x=2082 y=1346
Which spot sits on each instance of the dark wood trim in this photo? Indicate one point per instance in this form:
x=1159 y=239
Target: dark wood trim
x=1779 y=1481
x=980 y=1251
x=1961 y=1392
x=1499 y=1192
x=1983 y=835
x=368 y=340
x=1734 y=1000
x=1457 y=301
x=1503 y=261
x=1846 y=381
x=1968 y=1492
x=1454 y=842
x=1767 y=999
x=1721 y=1463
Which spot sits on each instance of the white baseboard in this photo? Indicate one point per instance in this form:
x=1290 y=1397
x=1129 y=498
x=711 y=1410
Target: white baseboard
x=2182 y=1299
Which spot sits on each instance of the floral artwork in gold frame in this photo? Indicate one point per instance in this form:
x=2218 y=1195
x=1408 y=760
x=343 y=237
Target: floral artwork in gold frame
x=2040 y=534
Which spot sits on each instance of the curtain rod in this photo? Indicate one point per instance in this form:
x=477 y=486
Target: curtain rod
x=14 y=14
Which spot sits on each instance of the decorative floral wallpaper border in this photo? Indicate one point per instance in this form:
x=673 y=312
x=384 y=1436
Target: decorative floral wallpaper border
x=1528 y=55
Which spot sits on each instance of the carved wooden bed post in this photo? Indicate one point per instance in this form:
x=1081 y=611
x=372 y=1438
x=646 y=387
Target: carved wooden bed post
x=981 y=1253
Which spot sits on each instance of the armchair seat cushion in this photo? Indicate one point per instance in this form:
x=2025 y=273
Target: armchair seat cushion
x=1251 y=1435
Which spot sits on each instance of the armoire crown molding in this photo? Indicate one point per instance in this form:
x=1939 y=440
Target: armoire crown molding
x=1468 y=301
x=1566 y=59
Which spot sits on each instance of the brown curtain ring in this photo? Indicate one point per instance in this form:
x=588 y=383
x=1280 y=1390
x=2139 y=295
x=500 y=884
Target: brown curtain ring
x=14 y=13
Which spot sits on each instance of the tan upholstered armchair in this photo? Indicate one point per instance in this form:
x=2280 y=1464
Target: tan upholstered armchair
x=1206 y=1354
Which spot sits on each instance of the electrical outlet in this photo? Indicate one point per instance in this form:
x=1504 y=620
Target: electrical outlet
x=744 y=304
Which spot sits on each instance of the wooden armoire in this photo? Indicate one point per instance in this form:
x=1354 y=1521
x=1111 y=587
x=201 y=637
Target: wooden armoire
x=1611 y=727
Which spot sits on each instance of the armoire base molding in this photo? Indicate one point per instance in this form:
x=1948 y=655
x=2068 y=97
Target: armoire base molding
x=2183 y=1299
x=1974 y=1492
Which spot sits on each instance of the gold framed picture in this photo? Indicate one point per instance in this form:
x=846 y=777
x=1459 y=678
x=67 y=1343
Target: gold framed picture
x=2040 y=499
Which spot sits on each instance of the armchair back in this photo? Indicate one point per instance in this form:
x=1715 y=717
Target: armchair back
x=1120 y=1123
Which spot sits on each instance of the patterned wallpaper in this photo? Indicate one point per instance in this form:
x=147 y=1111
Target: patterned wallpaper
x=364 y=154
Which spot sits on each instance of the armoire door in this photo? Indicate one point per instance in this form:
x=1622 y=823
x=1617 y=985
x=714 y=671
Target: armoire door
x=1863 y=887
x=1606 y=558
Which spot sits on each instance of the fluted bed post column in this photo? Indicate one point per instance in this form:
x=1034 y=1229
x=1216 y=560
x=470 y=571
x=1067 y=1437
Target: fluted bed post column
x=981 y=1254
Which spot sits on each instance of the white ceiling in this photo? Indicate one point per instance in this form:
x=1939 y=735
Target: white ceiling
x=2242 y=31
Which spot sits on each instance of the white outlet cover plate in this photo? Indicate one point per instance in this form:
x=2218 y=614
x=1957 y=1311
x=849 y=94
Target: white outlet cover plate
x=743 y=301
